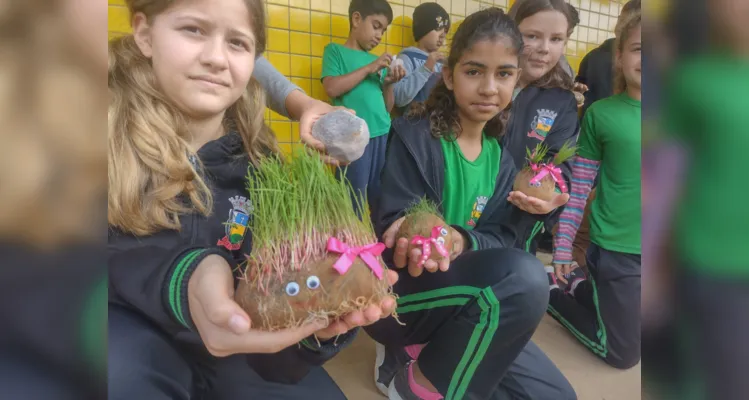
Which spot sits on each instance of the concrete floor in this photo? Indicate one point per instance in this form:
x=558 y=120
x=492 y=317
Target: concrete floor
x=592 y=379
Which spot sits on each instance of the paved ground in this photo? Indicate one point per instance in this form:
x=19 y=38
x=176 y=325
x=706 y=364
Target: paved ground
x=591 y=378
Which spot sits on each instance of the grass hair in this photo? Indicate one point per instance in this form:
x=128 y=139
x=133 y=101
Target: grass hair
x=423 y=206
x=567 y=151
x=538 y=154
x=298 y=205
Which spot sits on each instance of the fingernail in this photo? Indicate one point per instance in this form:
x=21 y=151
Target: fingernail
x=238 y=324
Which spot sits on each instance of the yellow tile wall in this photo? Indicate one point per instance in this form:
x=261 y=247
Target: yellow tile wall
x=298 y=30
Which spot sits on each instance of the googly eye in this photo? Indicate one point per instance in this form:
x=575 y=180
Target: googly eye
x=440 y=240
x=443 y=232
x=313 y=282
x=292 y=289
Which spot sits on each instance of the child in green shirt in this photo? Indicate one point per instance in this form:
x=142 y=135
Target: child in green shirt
x=474 y=310
x=357 y=79
x=603 y=312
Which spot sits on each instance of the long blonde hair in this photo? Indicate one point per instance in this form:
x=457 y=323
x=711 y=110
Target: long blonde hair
x=151 y=178
x=628 y=24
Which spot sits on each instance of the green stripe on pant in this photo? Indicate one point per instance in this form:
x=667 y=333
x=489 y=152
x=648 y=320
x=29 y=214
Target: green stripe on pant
x=597 y=348
x=480 y=338
x=536 y=228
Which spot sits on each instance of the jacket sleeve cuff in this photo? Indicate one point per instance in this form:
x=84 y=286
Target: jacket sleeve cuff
x=562 y=259
x=562 y=253
x=331 y=346
x=175 y=285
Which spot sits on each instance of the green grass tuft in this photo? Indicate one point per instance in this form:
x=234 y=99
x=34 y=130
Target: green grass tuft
x=298 y=204
x=567 y=151
x=423 y=205
x=538 y=154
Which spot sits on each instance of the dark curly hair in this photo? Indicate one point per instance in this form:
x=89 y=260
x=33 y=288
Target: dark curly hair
x=441 y=107
x=557 y=77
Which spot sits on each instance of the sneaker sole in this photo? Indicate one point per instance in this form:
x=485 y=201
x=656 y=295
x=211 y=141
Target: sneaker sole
x=379 y=359
x=392 y=392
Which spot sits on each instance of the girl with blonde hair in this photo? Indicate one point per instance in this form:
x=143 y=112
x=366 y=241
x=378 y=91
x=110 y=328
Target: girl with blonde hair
x=185 y=125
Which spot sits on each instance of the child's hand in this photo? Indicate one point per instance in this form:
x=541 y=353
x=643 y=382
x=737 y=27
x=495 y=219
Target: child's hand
x=562 y=271
x=434 y=58
x=537 y=206
x=312 y=112
x=395 y=74
x=381 y=62
x=402 y=257
x=369 y=316
x=222 y=324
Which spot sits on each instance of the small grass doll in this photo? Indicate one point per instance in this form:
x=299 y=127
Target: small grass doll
x=426 y=229
x=541 y=176
x=312 y=256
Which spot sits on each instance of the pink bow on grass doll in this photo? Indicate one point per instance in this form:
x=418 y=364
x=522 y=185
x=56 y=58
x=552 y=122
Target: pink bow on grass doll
x=437 y=240
x=367 y=253
x=548 y=169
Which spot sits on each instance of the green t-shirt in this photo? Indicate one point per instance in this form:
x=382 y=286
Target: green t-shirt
x=707 y=101
x=468 y=184
x=366 y=98
x=612 y=134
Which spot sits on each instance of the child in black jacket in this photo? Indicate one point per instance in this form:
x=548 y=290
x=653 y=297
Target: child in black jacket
x=476 y=310
x=544 y=108
x=185 y=127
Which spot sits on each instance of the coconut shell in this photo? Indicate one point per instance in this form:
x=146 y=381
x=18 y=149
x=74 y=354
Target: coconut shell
x=328 y=296
x=421 y=224
x=523 y=184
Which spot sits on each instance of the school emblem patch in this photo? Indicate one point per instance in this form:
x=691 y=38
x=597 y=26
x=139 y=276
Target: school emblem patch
x=478 y=209
x=542 y=124
x=236 y=224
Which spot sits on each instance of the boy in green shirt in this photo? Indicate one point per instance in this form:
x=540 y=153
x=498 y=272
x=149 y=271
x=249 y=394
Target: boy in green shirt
x=357 y=79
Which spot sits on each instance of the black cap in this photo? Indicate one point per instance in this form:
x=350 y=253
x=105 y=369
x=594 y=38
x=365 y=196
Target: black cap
x=429 y=17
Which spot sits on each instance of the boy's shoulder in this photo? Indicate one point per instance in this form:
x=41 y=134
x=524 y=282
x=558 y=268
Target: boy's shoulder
x=332 y=46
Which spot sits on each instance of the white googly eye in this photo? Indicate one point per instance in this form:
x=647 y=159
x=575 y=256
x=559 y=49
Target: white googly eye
x=313 y=282
x=440 y=240
x=292 y=289
x=443 y=232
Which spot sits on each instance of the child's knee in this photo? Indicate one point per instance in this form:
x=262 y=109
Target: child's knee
x=529 y=284
x=626 y=360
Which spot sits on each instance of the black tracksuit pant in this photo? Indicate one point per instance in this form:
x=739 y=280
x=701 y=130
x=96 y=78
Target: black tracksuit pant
x=604 y=314
x=145 y=364
x=476 y=319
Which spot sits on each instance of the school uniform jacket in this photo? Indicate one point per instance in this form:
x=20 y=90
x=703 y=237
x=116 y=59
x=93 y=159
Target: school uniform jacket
x=541 y=115
x=415 y=168
x=150 y=274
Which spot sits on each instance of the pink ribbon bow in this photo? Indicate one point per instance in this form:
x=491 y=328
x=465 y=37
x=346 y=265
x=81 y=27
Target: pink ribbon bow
x=367 y=253
x=437 y=240
x=548 y=169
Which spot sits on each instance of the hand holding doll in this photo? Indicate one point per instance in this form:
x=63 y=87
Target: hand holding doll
x=534 y=190
x=423 y=240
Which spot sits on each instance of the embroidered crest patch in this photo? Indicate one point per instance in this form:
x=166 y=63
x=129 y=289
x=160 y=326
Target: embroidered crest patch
x=236 y=224
x=542 y=124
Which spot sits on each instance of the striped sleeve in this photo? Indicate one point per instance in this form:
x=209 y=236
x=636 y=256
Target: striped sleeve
x=175 y=284
x=584 y=173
